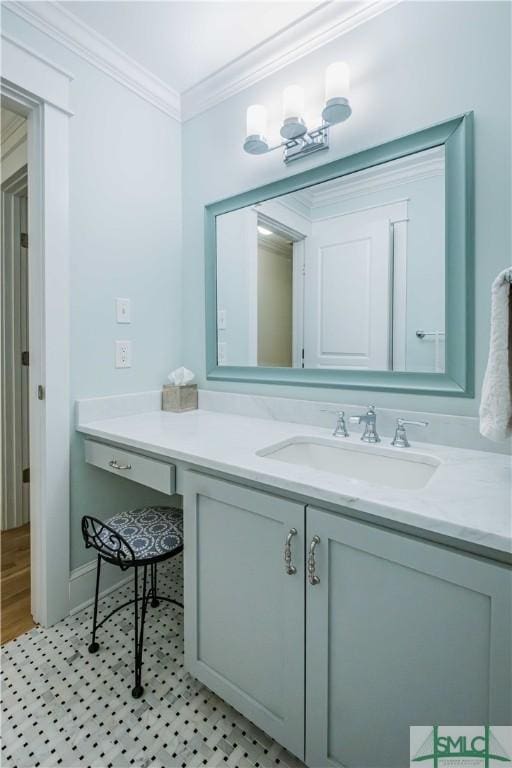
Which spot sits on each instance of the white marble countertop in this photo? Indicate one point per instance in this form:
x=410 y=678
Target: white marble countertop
x=468 y=499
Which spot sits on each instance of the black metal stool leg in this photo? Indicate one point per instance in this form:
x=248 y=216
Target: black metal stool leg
x=94 y=646
x=154 y=591
x=138 y=690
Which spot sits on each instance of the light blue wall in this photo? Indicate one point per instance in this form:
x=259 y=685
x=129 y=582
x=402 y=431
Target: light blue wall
x=415 y=65
x=125 y=240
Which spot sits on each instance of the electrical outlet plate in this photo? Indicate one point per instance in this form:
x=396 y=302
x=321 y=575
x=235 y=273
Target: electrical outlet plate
x=222 y=350
x=221 y=320
x=123 y=354
x=123 y=311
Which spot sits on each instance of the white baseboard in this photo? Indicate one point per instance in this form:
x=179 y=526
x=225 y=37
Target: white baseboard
x=82 y=582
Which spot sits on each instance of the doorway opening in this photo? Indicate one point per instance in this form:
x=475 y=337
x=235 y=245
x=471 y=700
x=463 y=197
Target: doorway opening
x=16 y=615
x=275 y=298
x=280 y=294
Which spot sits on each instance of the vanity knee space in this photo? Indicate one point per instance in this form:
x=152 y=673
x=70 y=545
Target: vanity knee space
x=309 y=622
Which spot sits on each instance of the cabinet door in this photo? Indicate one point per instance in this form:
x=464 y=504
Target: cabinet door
x=244 y=617
x=399 y=633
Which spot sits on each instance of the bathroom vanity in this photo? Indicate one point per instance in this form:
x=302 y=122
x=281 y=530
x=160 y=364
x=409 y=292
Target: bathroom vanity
x=338 y=592
x=333 y=612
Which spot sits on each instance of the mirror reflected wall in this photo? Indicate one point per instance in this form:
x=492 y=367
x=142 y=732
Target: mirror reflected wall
x=358 y=273
x=349 y=273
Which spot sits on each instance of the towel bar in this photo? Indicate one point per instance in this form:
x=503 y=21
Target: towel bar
x=422 y=334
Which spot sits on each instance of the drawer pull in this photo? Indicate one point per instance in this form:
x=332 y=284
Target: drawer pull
x=289 y=567
x=114 y=464
x=149 y=472
x=313 y=578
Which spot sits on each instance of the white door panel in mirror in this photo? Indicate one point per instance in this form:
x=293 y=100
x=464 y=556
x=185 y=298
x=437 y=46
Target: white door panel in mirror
x=342 y=274
x=348 y=328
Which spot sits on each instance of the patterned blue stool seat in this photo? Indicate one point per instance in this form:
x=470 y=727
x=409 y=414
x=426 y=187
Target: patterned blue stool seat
x=152 y=533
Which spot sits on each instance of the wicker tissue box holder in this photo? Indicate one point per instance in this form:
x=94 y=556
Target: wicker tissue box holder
x=179 y=399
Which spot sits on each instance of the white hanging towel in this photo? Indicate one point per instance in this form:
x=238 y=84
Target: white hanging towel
x=496 y=402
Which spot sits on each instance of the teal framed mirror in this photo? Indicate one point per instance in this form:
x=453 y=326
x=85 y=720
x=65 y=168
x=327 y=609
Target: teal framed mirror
x=357 y=274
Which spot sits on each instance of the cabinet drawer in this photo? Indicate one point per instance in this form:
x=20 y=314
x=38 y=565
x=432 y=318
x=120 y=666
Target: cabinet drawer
x=140 y=469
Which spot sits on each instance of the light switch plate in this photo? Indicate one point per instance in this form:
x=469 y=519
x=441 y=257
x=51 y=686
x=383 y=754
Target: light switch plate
x=123 y=354
x=123 y=311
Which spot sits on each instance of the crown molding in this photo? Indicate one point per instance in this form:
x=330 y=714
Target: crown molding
x=324 y=24
x=64 y=27
x=412 y=168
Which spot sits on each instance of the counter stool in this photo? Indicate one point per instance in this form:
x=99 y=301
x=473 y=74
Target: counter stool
x=137 y=538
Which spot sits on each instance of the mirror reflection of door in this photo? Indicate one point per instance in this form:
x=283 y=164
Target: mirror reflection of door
x=347 y=274
x=347 y=296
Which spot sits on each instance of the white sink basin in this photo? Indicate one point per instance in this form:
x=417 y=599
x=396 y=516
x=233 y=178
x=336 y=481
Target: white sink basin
x=370 y=463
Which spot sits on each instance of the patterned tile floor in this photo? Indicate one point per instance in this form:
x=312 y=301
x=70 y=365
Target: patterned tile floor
x=63 y=706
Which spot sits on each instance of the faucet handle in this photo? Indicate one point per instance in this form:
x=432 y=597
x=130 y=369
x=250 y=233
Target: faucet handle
x=340 y=430
x=406 y=423
x=400 y=439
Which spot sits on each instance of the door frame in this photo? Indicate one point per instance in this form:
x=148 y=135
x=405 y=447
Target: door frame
x=299 y=277
x=14 y=493
x=39 y=90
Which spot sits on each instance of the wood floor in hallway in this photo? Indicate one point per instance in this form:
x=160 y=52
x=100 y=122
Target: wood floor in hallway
x=15 y=583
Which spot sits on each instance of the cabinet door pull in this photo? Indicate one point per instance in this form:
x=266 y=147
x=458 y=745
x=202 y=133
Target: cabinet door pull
x=289 y=567
x=312 y=577
x=114 y=464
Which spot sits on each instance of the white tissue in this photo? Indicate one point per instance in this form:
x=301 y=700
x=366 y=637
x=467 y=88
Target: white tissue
x=180 y=377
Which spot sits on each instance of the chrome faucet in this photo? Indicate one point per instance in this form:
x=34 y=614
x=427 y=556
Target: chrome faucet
x=340 y=430
x=369 y=419
x=400 y=439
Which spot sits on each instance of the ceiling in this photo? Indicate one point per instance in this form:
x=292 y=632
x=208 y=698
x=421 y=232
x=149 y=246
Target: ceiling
x=183 y=42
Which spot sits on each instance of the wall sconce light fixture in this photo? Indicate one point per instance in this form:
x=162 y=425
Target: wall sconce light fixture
x=298 y=141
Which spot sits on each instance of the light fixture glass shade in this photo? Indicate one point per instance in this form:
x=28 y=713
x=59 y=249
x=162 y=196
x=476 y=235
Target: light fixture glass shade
x=337 y=80
x=293 y=110
x=293 y=102
x=256 y=120
x=337 y=90
x=255 y=142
